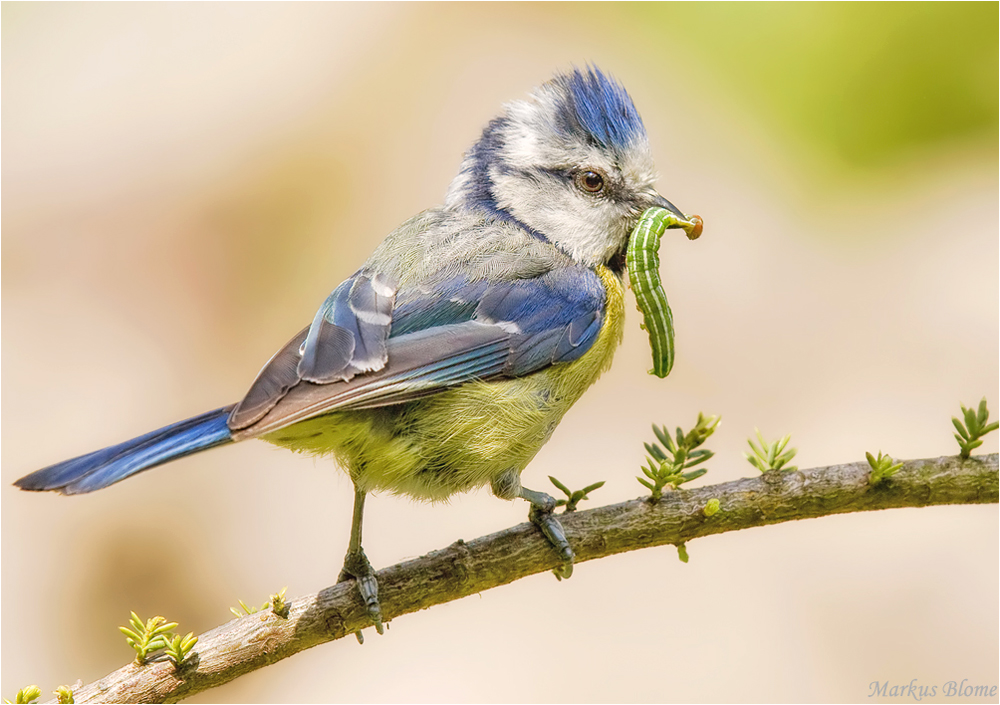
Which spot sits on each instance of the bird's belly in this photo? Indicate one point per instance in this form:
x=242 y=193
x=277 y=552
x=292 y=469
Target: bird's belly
x=461 y=438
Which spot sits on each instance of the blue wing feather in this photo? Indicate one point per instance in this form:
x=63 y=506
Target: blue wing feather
x=557 y=316
x=454 y=300
x=348 y=334
x=552 y=318
x=442 y=334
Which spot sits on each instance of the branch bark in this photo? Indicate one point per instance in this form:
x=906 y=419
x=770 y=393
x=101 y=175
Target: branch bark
x=464 y=568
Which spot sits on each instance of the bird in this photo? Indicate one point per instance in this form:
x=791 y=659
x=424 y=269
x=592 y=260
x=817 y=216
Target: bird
x=446 y=361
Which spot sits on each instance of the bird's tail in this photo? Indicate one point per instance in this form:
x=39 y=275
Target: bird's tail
x=101 y=468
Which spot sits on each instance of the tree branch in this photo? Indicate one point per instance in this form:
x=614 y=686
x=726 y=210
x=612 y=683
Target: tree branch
x=465 y=568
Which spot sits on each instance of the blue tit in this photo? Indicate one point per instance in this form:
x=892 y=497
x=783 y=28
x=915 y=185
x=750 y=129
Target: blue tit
x=446 y=361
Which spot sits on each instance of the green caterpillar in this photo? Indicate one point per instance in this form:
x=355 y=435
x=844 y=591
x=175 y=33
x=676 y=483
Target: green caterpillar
x=643 y=262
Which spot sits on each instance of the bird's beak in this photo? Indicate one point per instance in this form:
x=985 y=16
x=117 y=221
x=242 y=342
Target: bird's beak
x=691 y=225
x=660 y=201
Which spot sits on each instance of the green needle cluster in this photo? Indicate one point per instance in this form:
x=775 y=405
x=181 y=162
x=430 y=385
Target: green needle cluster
x=573 y=498
x=179 y=647
x=145 y=638
x=154 y=634
x=882 y=467
x=769 y=456
x=970 y=434
x=275 y=603
x=670 y=465
x=31 y=693
x=27 y=694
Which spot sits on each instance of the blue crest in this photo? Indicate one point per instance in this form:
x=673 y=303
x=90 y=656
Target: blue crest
x=600 y=107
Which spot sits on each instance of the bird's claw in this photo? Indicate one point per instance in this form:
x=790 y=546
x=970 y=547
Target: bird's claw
x=545 y=519
x=357 y=567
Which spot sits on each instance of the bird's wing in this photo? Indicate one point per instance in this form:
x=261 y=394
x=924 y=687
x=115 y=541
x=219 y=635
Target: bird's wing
x=442 y=334
x=553 y=317
x=348 y=334
x=347 y=337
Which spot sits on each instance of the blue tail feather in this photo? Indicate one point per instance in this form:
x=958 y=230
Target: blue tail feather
x=101 y=468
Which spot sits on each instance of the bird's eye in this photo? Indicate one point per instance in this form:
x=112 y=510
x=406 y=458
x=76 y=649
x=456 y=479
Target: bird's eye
x=590 y=181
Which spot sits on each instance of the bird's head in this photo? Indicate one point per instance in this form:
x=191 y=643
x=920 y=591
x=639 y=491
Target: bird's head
x=572 y=163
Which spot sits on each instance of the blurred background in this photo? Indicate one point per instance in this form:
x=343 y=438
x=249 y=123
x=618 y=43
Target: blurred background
x=183 y=184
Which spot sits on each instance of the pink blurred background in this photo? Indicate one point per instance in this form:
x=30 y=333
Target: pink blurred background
x=183 y=184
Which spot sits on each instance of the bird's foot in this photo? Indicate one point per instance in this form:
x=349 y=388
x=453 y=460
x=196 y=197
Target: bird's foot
x=542 y=515
x=356 y=566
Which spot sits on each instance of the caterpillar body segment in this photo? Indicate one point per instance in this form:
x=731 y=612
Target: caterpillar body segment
x=643 y=262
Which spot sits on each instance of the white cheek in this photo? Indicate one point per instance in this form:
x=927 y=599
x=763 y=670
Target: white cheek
x=599 y=235
x=585 y=230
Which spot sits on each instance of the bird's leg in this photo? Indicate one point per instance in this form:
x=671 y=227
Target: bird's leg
x=356 y=565
x=507 y=485
x=542 y=515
